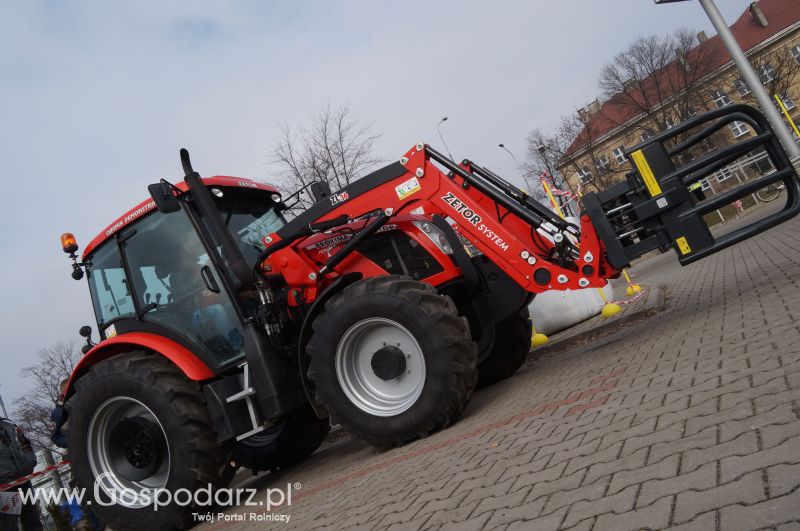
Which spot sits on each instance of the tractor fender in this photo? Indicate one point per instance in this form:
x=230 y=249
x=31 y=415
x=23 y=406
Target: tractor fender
x=305 y=334
x=192 y=366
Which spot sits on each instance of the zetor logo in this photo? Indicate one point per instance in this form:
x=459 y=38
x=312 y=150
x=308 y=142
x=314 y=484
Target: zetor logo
x=339 y=198
x=474 y=219
x=461 y=208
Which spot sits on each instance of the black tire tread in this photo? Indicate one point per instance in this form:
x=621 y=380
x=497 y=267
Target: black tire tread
x=302 y=434
x=453 y=330
x=511 y=348
x=209 y=458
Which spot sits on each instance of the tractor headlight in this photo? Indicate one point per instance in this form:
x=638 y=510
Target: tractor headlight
x=436 y=235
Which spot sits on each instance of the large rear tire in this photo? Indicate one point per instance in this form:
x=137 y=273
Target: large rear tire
x=136 y=424
x=287 y=443
x=512 y=344
x=392 y=360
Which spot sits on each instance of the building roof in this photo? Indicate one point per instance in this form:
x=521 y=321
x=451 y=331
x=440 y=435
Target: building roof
x=749 y=33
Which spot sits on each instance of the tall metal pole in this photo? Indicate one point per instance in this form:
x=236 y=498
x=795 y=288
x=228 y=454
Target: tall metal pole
x=751 y=78
x=55 y=477
x=3 y=408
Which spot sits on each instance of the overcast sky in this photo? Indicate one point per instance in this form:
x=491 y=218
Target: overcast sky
x=96 y=97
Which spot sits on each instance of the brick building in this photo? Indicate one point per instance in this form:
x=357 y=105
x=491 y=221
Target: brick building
x=697 y=79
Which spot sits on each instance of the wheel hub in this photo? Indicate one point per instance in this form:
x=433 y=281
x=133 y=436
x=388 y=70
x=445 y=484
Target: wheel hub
x=380 y=366
x=388 y=362
x=136 y=448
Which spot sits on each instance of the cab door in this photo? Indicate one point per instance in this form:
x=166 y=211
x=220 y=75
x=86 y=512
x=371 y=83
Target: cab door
x=176 y=285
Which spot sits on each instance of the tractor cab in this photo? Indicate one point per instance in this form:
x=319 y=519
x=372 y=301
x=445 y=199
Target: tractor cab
x=152 y=270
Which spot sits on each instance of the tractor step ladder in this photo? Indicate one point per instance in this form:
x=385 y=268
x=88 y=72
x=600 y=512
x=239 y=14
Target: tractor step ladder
x=247 y=393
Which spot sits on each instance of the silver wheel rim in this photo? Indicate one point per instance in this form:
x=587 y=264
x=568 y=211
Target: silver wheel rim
x=108 y=477
x=370 y=393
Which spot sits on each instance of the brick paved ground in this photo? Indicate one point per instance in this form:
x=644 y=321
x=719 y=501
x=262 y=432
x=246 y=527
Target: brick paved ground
x=688 y=420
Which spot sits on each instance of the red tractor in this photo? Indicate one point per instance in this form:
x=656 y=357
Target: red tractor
x=229 y=334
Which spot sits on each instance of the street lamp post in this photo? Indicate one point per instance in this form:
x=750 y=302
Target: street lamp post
x=519 y=167
x=749 y=75
x=504 y=148
x=439 y=129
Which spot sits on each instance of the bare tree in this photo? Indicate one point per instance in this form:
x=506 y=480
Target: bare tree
x=540 y=157
x=53 y=364
x=334 y=148
x=596 y=171
x=655 y=83
x=778 y=72
x=659 y=78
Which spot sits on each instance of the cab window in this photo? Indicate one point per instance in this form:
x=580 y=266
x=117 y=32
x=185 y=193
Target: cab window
x=250 y=215
x=111 y=294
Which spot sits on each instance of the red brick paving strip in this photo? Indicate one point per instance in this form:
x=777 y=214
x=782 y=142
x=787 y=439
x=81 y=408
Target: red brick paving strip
x=584 y=407
x=538 y=410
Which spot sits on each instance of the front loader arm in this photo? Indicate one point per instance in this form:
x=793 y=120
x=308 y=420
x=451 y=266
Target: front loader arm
x=496 y=217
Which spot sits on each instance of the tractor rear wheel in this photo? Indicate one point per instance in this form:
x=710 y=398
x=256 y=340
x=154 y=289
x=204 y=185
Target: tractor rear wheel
x=288 y=442
x=138 y=429
x=512 y=343
x=392 y=360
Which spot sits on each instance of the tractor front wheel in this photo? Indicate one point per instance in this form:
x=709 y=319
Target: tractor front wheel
x=139 y=432
x=392 y=360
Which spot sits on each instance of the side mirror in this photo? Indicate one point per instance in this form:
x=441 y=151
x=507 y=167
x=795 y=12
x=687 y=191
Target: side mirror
x=320 y=190
x=165 y=200
x=86 y=332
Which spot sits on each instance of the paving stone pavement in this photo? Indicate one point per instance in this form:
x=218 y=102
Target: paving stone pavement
x=688 y=420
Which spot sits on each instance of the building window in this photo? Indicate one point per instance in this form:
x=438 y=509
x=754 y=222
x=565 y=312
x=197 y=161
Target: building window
x=724 y=174
x=738 y=129
x=758 y=162
x=704 y=184
x=741 y=87
x=647 y=135
x=766 y=72
x=796 y=53
x=619 y=154
x=602 y=163
x=721 y=98
x=690 y=111
x=787 y=102
x=585 y=175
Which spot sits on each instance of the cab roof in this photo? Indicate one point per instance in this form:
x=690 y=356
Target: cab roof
x=148 y=205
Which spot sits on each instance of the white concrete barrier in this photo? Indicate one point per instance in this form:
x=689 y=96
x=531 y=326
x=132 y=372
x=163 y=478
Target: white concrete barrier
x=553 y=311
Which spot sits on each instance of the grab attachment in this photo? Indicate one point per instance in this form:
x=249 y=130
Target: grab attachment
x=655 y=206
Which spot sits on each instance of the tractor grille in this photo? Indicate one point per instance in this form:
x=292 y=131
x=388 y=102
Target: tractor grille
x=399 y=254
